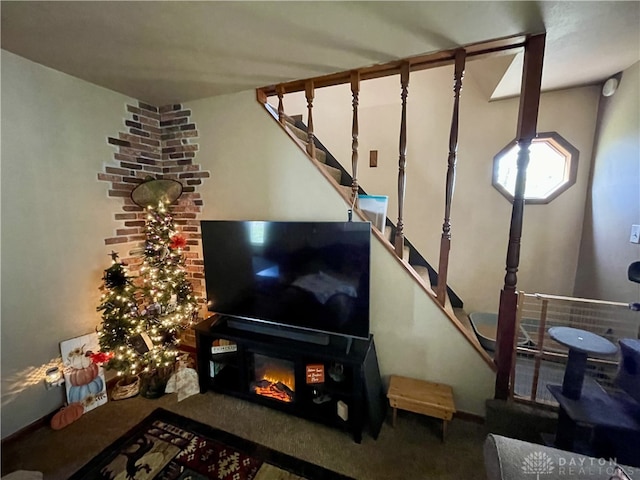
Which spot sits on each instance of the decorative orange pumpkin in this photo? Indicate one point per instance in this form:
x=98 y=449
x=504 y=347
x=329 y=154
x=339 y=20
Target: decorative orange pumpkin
x=67 y=415
x=83 y=376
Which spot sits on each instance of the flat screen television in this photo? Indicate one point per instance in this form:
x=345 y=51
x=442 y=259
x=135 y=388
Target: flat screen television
x=301 y=276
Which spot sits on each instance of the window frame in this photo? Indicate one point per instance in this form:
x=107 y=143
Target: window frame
x=558 y=143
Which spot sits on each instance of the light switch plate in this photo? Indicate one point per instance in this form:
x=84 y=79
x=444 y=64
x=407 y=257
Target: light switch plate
x=373 y=158
x=635 y=234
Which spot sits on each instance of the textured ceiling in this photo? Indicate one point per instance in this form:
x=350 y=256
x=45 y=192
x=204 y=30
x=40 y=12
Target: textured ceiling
x=175 y=51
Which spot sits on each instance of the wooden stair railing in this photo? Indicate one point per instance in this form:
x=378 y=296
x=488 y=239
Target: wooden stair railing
x=402 y=161
x=421 y=270
x=526 y=132
x=403 y=68
x=311 y=145
x=281 y=117
x=445 y=241
x=355 y=92
x=417 y=63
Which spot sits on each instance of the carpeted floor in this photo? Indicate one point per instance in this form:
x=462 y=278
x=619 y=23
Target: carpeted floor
x=168 y=446
x=411 y=451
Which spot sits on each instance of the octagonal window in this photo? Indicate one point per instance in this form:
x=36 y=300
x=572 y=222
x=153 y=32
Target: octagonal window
x=553 y=165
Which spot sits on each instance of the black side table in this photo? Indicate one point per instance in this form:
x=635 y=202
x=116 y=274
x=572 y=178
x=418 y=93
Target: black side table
x=574 y=409
x=581 y=344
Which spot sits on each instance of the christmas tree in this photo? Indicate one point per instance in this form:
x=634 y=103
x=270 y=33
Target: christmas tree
x=120 y=319
x=167 y=304
x=141 y=323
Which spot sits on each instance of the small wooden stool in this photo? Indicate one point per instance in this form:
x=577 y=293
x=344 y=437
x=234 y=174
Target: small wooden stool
x=419 y=396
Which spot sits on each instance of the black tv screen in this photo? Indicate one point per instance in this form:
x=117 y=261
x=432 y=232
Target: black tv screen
x=307 y=275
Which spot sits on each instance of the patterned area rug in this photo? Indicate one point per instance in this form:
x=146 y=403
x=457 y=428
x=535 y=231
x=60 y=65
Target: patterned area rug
x=167 y=446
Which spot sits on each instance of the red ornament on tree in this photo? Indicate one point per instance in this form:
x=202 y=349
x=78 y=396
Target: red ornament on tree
x=177 y=241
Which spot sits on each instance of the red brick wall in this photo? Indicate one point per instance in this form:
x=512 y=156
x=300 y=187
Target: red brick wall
x=158 y=142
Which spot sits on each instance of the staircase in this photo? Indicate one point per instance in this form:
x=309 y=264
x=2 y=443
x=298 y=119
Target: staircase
x=341 y=179
x=534 y=47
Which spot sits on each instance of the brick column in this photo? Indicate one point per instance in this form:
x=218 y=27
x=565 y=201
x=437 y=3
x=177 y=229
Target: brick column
x=158 y=142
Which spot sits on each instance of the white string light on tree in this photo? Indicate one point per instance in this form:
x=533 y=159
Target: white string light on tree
x=164 y=300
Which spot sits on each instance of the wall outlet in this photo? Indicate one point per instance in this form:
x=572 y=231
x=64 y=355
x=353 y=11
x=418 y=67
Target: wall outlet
x=635 y=234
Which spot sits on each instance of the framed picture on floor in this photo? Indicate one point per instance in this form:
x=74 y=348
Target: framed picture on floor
x=83 y=378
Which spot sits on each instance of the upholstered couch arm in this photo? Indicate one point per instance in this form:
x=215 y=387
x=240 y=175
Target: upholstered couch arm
x=510 y=459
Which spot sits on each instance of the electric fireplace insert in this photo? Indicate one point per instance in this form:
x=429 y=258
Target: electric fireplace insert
x=273 y=378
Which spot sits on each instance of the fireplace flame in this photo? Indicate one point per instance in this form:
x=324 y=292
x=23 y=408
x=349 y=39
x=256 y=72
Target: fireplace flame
x=276 y=384
x=284 y=378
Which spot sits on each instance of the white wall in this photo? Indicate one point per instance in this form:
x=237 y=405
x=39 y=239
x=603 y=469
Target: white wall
x=259 y=173
x=614 y=201
x=55 y=217
x=480 y=214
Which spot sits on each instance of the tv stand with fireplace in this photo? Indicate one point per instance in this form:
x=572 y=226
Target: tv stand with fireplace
x=337 y=384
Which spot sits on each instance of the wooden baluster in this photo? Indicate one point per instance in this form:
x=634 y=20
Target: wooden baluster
x=311 y=146
x=355 y=91
x=527 y=121
x=402 y=162
x=280 y=92
x=445 y=241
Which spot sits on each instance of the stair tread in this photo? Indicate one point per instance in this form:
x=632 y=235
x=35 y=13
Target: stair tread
x=346 y=189
x=406 y=251
x=447 y=304
x=302 y=138
x=302 y=143
x=462 y=316
x=335 y=173
x=424 y=274
x=459 y=313
x=387 y=233
x=301 y=134
x=290 y=120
